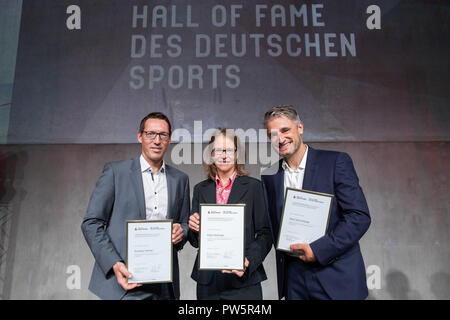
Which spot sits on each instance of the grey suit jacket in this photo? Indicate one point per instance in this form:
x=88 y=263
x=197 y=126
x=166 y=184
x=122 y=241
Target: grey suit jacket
x=119 y=196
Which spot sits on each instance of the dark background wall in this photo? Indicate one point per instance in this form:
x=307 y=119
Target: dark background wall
x=67 y=108
x=88 y=85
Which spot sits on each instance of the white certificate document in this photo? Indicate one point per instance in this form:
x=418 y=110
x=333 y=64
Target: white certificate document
x=305 y=217
x=222 y=236
x=149 y=251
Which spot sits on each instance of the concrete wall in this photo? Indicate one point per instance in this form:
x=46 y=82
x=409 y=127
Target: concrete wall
x=10 y=14
x=44 y=192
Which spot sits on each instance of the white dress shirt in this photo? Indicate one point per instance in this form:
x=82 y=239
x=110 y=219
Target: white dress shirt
x=155 y=191
x=294 y=178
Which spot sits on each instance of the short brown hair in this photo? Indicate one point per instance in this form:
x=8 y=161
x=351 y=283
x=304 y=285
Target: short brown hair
x=211 y=169
x=155 y=115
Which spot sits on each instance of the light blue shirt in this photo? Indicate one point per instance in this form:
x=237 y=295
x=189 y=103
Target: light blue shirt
x=155 y=191
x=293 y=178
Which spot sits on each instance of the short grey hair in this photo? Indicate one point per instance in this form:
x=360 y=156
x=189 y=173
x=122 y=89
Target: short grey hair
x=282 y=110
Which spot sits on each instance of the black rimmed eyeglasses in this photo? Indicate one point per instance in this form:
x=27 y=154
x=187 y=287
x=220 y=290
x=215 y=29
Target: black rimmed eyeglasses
x=151 y=135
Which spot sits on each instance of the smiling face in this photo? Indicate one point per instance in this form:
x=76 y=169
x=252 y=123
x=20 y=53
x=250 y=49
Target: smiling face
x=224 y=154
x=154 y=149
x=285 y=135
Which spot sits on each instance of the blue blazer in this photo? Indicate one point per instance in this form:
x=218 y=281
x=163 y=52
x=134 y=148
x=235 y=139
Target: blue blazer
x=340 y=268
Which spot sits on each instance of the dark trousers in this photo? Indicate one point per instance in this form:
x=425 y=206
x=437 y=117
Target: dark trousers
x=301 y=282
x=163 y=291
x=212 y=292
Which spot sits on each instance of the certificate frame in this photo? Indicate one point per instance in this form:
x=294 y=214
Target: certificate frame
x=284 y=207
x=171 y=248
x=202 y=205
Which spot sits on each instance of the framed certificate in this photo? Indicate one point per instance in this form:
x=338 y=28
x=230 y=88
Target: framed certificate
x=149 y=251
x=222 y=237
x=304 y=218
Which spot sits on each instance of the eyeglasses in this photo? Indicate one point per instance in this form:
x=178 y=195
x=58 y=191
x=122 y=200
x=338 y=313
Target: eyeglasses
x=151 y=135
x=228 y=151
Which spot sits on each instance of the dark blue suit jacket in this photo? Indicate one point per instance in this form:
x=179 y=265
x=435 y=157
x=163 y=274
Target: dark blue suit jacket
x=340 y=268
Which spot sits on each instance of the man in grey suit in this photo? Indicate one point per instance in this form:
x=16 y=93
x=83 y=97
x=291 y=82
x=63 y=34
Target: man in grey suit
x=137 y=189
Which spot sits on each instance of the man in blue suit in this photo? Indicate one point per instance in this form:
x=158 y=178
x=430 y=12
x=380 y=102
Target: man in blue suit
x=137 y=189
x=331 y=267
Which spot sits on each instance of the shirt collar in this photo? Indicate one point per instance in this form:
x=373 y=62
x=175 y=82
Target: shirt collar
x=230 y=179
x=145 y=166
x=302 y=165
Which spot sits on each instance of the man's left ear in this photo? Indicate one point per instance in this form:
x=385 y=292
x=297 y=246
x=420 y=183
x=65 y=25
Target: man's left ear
x=300 y=127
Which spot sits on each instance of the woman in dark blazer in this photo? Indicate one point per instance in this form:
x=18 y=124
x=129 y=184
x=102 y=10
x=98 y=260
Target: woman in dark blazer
x=228 y=183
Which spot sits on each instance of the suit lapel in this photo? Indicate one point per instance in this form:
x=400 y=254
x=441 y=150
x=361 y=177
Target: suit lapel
x=238 y=190
x=171 y=188
x=310 y=170
x=208 y=192
x=138 y=186
x=279 y=189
